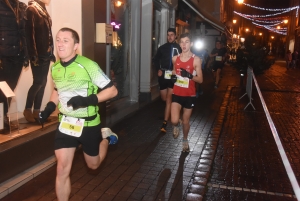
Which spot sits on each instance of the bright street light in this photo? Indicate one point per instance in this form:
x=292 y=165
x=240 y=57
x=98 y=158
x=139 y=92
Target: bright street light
x=199 y=44
x=240 y=1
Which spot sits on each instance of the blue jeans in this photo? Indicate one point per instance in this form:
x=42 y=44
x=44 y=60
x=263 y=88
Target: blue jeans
x=10 y=70
x=36 y=92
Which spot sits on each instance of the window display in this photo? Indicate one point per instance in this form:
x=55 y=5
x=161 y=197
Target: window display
x=13 y=48
x=120 y=62
x=40 y=47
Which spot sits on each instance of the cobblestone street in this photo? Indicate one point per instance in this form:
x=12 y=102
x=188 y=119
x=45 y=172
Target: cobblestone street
x=247 y=165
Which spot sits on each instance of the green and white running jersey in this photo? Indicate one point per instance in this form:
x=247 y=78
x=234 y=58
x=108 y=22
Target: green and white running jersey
x=82 y=77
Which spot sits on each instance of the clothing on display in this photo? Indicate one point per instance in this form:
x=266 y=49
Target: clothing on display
x=40 y=47
x=13 y=47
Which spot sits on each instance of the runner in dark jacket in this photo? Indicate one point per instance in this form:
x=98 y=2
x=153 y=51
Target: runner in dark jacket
x=163 y=64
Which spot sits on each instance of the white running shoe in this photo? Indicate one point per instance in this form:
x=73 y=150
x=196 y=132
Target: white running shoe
x=106 y=132
x=185 y=146
x=176 y=129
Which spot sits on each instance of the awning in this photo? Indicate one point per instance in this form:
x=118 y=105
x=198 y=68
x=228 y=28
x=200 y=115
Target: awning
x=205 y=15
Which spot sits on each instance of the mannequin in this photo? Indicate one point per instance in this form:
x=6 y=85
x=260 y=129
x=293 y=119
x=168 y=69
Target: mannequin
x=13 y=49
x=40 y=49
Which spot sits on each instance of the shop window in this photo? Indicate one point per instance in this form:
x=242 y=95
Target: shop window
x=120 y=58
x=156 y=24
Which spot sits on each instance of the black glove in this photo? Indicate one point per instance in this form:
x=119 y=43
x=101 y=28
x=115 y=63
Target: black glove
x=173 y=78
x=184 y=73
x=79 y=101
x=43 y=116
x=34 y=61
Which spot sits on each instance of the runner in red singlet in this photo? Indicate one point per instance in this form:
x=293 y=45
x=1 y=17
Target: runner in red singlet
x=186 y=71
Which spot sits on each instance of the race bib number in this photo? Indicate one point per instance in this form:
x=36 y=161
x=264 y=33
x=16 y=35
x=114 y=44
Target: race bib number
x=71 y=126
x=218 y=58
x=182 y=82
x=168 y=74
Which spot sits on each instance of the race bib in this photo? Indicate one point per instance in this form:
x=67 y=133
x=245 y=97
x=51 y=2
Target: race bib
x=218 y=58
x=182 y=82
x=71 y=126
x=168 y=74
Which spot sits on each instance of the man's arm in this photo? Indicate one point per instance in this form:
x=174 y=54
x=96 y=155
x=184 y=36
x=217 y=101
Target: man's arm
x=107 y=93
x=173 y=76
x=174 y=61
x=197 y=66
x=54 y=97
x=213 y=53
x=50 y=107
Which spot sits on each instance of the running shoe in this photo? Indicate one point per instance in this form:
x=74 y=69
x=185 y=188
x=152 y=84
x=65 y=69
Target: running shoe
x=185 y=146
x=163 y=128
x=176 y=130
x=106 y=132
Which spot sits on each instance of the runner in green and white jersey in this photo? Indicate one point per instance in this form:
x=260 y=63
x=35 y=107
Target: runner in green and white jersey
x=77 y=81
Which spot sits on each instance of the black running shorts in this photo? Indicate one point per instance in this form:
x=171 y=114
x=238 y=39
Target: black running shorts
x=187 y=102
x=164 y=83
x=89 y=139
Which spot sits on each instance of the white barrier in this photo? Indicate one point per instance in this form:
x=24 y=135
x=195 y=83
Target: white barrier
x=249 y=87
x=282 y=153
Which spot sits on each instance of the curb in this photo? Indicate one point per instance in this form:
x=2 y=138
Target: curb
x=17 y=181
x=198 y=184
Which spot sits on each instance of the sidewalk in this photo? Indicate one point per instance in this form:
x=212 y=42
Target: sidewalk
x=233 y=154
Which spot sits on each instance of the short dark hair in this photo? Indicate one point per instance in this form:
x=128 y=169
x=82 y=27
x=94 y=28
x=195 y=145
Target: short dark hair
x=188 y=35
x=75 y=35
x=172 y=30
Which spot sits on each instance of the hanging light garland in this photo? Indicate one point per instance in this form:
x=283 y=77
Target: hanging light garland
x=273 y=14
x=271 y=9
x=266 y=21
x=269 y=19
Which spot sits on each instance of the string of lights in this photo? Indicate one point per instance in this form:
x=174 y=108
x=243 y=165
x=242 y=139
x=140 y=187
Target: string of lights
x=267 y=21
x=272 y=9
x=273 y=14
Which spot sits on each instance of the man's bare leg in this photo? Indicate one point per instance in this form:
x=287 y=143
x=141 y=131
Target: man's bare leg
x=64 y=163
x=94 y=162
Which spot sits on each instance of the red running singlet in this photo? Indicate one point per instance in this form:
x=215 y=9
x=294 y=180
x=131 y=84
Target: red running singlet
x=184 y=86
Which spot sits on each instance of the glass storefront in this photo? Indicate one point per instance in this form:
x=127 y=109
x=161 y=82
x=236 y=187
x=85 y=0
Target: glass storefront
x=156 y=24
x=120 y=63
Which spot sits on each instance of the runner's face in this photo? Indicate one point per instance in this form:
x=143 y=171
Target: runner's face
x=185 y=44
x=65 y=46
x=171 y=37
x=218 y=45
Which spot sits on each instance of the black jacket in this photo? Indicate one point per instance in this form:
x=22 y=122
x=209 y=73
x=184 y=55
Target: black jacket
x=38 y=32
x=163 y=58
x=12 y=29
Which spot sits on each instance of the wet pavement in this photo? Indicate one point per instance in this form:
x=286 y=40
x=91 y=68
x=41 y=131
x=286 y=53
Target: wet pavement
x=247 y=164
x=233 y=154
